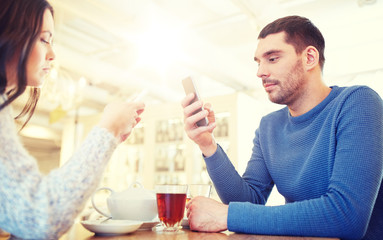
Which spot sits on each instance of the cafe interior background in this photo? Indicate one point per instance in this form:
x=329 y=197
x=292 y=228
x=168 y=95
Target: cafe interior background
x=116 y=49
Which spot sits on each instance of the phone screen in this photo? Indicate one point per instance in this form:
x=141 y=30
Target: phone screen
x=190 y=87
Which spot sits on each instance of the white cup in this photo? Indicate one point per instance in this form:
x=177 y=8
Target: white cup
x=133 y=204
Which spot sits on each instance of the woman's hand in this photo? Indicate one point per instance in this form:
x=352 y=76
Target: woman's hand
x=121 y=117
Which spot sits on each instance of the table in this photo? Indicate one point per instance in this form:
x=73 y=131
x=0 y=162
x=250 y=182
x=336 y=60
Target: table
x=78 y=232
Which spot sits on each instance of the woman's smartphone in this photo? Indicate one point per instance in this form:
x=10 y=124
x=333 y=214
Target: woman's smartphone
x=190 y=87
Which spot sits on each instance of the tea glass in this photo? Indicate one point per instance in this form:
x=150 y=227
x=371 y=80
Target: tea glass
x=195 y=190
x=171 y=200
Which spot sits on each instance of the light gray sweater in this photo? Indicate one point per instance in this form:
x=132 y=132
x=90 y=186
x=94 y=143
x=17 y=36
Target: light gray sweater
x=34 y=206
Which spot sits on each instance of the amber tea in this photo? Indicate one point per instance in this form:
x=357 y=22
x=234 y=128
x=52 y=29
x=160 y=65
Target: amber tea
x=171 y=208
x=171 y=200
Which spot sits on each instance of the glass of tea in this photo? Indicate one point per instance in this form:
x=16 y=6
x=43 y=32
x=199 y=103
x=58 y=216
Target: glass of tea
x=195 y=190
x=171 y=201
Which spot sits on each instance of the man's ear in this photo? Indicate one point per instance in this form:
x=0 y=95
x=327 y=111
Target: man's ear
x=311 y=57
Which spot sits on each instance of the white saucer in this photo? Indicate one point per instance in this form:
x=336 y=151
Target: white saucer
x=111 y=227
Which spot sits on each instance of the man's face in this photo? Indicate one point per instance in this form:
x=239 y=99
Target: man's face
x=280 y=68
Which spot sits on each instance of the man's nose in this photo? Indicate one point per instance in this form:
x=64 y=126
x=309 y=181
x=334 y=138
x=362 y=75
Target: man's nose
x=262 y=71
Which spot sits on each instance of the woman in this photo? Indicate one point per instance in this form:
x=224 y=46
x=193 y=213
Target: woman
x=33 y=206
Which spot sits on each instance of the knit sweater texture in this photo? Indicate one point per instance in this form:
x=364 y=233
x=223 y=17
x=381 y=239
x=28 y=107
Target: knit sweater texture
x=327 y=163
x=33 y=206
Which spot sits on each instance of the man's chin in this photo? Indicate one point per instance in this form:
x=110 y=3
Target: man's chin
x=275 y=99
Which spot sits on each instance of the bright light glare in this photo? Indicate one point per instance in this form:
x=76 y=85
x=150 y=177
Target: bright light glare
x=34 y=131
x=71 y=89
x=82 y=82
x=159 y=47
x=53 y=73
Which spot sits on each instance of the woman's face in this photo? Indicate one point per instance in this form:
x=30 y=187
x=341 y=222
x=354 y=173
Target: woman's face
x=38 y=64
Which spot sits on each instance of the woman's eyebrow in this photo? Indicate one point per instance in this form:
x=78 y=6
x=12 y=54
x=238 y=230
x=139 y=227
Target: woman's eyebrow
x=49 y=32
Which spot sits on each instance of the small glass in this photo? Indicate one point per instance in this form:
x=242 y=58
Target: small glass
x=195 y=190
x=171 y=200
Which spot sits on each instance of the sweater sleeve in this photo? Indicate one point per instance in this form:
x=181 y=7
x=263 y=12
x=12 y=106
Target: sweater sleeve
x=345 y=209
x=254 y=186
x=35 y=206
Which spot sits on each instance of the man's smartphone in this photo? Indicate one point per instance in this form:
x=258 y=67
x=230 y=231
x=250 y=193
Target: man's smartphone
x=190 y=87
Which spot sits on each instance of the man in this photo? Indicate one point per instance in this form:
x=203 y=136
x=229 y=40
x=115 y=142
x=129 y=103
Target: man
x=323 y=151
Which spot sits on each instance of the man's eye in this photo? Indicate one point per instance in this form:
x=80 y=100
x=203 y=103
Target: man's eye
x=273 y=59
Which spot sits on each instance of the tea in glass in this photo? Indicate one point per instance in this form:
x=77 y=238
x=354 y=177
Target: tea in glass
x=171 y=200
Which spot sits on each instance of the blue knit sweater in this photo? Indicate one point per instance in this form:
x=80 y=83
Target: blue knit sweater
x=327 y=163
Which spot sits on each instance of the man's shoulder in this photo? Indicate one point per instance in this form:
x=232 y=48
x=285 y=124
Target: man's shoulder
x=356 y=92
x=351 y=89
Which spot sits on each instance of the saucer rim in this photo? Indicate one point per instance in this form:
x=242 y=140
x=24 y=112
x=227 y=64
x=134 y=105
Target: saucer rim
x=123 y=227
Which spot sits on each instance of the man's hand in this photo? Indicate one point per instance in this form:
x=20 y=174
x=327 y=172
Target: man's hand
x=207 y=215
x=202 y=136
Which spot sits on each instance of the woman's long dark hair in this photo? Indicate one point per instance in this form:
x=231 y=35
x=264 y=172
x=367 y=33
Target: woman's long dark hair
x=20 y=26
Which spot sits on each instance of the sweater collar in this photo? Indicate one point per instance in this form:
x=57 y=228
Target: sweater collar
x=317 y=109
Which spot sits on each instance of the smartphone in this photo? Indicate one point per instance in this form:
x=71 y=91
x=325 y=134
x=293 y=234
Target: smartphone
x=190 y=87
x=138 y=97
